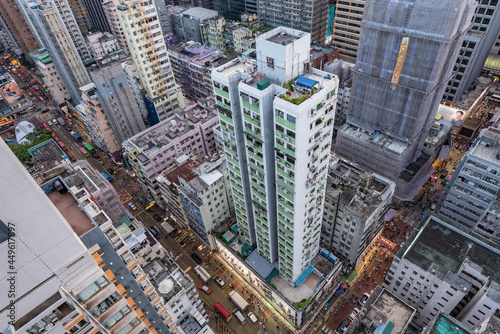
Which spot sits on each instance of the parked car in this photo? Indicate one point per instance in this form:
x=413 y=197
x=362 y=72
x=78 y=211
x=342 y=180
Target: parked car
x=354 y=314
x=100 y=162
x=205 y=288
x=153 y=230
x=364 y=298
x=219 y=281
x=342 y=327
x=252 y=317
x=95 y=156
x=111 y=171
x=157 y=217
x=69 y=129
x=196 y=258
x=132 y=206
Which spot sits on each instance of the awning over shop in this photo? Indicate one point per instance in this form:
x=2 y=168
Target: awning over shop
x=89 y=147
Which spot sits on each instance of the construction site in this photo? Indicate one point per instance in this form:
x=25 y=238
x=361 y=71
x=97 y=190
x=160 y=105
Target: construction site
x=399 y=79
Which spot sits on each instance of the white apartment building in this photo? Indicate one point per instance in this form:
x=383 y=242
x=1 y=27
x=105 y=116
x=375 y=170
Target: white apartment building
x=114 y=23
x=199 y=188
x=149 y=53
x=442 y=268
x=355 y=207
x=102 y=43
x=50 y=75
x=277 y=142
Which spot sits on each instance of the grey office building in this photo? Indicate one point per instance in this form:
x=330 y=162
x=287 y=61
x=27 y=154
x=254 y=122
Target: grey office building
x=398 y=81
x=97 y=15
x=470 y=198
x=475 y=49
x=307 y=15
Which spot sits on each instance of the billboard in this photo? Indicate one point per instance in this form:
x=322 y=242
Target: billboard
x=399 y=63
x=453 y=115
x=11 y=92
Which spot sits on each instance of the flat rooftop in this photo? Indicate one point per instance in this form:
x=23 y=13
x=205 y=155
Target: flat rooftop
x=381 y=139
x=485 y=147
x=282 y=35
x=151 y=140
x=445 y=247
x=76 y=217
x=482 y=83
x=387 y=309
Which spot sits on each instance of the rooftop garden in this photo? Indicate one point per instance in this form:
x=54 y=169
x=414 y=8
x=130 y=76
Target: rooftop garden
x=299 y=89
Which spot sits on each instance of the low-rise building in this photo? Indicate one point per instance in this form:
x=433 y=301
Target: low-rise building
x=192 y=64
x=82 y=175
x=186 y=23
x=356 y=202
x=384 y=312
x=211 y=33
x=188 y=131
x=102 y=44
x=441 y=267
x=243 y=39
x=203 y=190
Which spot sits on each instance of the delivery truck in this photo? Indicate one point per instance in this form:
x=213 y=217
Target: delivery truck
x=238 y=300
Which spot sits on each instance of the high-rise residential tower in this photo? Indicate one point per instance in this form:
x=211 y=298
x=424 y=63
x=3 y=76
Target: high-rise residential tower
x=475 y=49
x=147 y=46
x=277 y=129
x=306 y=15
x=347 y=26
x=62 y=38
x=10 y=12
x=400 y=75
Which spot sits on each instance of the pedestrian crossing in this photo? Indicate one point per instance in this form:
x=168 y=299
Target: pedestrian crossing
x=45 y=116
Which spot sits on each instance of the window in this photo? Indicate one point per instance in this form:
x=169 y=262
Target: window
x=270 y=62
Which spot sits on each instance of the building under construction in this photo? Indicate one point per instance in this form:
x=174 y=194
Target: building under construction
x=402 y=69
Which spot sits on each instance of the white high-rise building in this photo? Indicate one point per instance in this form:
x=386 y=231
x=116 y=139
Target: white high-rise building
x=277 y=128
x=142 y=29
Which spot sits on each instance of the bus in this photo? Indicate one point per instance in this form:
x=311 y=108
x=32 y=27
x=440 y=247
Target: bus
x=84 y=152
x=89 y=147
x=222 y=311
x=61 y=144
x=203 y=274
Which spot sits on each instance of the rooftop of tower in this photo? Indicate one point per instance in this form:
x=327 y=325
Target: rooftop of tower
x=282 y=35
x=488 y=145
x=446 y=247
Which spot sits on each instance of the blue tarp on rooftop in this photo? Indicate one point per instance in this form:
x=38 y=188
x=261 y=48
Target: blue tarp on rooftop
x=77 y=135
x=303 y=81
x=304 y=275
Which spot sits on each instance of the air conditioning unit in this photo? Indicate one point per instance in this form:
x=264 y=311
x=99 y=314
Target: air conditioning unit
x=287 y=139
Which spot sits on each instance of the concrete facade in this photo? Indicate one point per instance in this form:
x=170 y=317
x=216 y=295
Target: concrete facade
x=156 y=148
x=355 y=206
x=470 y=197
x=50 y=76
x=161 y=94
x=475 y=49
x=272 y=139
x=442 y=268
x=114 y=24
x=187 y=23
x=102 y=44
x=97 y=15
x=192 y=64
x=308 y=15
x=347 y=27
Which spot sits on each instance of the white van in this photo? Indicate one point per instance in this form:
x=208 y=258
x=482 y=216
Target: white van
x=240 y=316
x=252 y=318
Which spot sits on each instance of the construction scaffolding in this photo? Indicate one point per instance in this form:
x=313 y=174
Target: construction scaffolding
x=406 y=55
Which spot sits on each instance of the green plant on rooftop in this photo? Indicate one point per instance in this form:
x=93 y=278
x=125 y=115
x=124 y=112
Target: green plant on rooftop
x=21 y=151
x=296 y=100
x=300 y=305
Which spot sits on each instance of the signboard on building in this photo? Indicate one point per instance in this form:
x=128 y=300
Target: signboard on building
x=400 y=61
